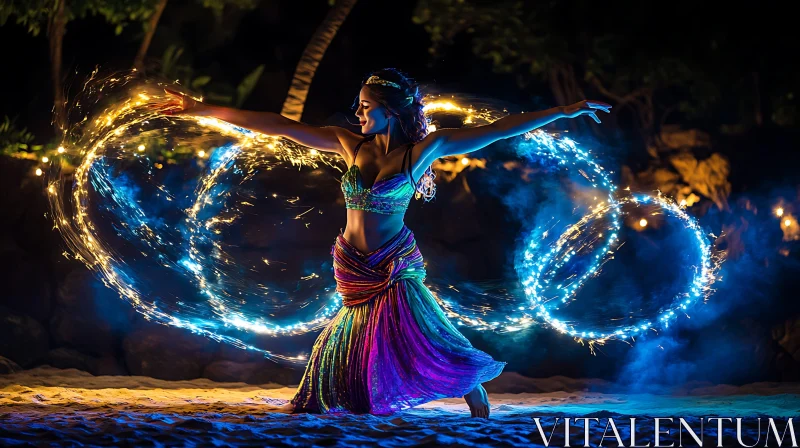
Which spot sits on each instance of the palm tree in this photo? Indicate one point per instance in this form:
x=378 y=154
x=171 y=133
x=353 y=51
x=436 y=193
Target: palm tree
x=56 y=28
x=149 y=31
x=312 y=56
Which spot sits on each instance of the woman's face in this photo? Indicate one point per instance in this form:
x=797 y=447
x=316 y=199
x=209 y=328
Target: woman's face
x=373 y=117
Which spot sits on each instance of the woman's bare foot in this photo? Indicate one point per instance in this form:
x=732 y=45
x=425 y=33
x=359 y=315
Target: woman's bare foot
x=286 y=408
x=478 y=402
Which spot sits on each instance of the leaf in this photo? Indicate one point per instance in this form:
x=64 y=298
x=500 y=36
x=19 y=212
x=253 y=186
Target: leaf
x=200 y=81
x=247 y=85
x=219 y=98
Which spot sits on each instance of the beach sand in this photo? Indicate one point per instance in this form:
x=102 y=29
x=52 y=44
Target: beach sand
x=54 y=407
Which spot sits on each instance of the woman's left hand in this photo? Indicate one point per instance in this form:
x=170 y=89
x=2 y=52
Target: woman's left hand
x=586 y=107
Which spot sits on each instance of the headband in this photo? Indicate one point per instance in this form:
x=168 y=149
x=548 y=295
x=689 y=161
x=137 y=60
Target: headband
x=376 y=80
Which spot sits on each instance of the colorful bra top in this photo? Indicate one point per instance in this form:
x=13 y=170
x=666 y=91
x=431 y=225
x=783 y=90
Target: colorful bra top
x=388 y=196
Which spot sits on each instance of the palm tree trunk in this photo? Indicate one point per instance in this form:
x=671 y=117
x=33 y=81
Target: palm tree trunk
x=312 y=56
x=55 y=30
x=149 y=31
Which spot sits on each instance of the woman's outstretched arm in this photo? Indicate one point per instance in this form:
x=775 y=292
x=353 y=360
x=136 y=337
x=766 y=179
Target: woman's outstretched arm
x=448 y=142
x=324 y=138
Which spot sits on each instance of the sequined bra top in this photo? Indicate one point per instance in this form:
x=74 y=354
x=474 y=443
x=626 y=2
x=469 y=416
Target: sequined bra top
x=388 y=196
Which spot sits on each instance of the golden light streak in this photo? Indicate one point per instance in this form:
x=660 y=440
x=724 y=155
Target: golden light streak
x=125 y=121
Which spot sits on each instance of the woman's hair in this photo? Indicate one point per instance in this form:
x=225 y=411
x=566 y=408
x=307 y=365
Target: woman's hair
x=400 y=95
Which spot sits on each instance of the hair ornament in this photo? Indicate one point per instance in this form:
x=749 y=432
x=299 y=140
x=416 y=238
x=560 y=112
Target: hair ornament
x=377 y=80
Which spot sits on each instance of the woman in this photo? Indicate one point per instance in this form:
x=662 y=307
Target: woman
x=390 y=346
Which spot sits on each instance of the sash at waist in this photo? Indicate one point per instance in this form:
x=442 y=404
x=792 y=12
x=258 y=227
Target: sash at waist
x=360 y=277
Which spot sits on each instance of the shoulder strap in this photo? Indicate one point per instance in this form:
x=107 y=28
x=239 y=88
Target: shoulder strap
x=355 y=151
x=407 y=155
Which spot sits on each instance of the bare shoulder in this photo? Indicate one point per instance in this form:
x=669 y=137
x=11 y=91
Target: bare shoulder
x=349 y=140
x=425 y=152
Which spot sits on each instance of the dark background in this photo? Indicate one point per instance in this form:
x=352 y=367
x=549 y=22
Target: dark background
x=724 y=73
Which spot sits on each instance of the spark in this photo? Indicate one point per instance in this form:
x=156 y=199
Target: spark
x=123 y=123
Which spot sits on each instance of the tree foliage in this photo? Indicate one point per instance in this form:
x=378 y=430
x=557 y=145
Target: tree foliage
x=679 y=58
x=35 y=14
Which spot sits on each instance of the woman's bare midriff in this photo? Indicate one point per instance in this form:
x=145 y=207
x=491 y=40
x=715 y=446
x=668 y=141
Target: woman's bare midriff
x=367 y=231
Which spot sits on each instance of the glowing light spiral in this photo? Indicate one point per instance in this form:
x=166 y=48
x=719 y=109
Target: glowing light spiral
x=190 y=246
x=538 y=264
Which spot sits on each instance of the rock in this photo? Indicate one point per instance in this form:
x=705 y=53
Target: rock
x=786 y=336
x=22 y=338
x=89 y=317
x=230 y=371
x=166 y=353
x=84 y=331
x=269 y=372
x=230 y=352
x=76 y=289
x=27 y=287
x=67 y=358
x=260 y=372
x=8 y=366
x=107 y=365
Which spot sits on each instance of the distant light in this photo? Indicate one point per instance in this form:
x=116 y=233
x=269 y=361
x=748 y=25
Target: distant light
x=643 y=222
x=787 y=223
x=779 y=211
x=201 y=153
x=314 y=152
x=61 y=149
x=140 y=148
x=38 y=171
x=465 y=161
x=45 y=159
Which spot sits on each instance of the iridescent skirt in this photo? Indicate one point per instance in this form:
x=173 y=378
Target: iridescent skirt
x=390 y=347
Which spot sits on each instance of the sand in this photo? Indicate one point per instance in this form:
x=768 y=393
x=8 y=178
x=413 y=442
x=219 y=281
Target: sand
x=54 y=407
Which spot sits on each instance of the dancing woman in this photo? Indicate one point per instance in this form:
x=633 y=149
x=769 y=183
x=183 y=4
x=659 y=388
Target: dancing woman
x=390 y=347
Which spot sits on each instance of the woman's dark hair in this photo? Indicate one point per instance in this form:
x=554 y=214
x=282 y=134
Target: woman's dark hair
x=405 y=102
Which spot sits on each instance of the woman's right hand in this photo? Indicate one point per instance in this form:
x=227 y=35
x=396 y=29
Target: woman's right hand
x=177 y=103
